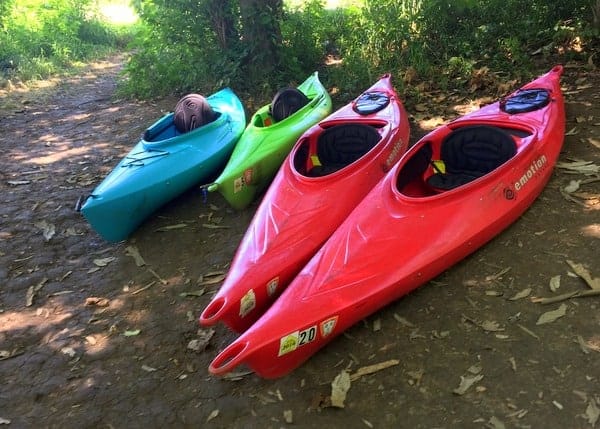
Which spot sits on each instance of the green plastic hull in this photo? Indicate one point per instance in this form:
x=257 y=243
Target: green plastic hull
x=262 y=148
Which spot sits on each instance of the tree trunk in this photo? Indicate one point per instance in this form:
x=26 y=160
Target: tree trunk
x=261 y=36
x=596 y=13
x=221 y=14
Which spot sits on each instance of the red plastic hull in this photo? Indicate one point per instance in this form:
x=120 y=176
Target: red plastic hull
x=375 y=256
x=298 y=213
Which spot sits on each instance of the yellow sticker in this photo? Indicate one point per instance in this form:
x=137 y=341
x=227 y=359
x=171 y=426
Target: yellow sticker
x=247 y=303
x=439 y=166
x=316 y=162
x=289 y=343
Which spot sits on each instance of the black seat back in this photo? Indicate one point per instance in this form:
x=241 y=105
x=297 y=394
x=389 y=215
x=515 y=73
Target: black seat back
x=286 y=102
x=341 y=145
x=471 y=152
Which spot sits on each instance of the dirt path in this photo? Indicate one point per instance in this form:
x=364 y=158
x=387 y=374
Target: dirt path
x=89 y=339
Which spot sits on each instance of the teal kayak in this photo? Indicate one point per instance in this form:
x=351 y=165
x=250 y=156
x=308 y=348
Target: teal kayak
x=162 y=165
x=267 y=140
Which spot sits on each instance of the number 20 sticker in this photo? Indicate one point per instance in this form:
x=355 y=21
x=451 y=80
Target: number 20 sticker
x=291 y=342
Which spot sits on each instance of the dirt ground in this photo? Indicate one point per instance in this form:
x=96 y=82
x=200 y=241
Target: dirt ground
x=89 y=339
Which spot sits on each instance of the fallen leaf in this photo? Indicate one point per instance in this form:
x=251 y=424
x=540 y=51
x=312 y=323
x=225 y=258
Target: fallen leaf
x=377 y=325
x=288 y=416
x=403 y=321
x=475 y=369
x=213 y=226
x=584 y=348
x=555 y=283
x=490 y=326
x=103 y=262
x=584 y=167
x=196 y=293
x=415 y=377
x=199 y=344
x=553 y=315
x=339 y=389
x=32 y=290
x=573 y=186
x=236 y=376
x=579 y=269
x=211 y=278
x=466 y=382
x=496 y=423
x=135 y=254
x=69 y=351
x=132 y=333
x=148 y=368
x=18 y=182
x=212 y=415
x=4 y=421
x=48 y=229
x=592 y=412
x=171 y=227
x=520 y=295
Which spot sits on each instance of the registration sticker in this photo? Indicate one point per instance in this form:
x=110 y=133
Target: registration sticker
x=289 y=343
x=292 y=341
x=238 y=185
x=328 y=325
x=272 y=286
x=247 y=303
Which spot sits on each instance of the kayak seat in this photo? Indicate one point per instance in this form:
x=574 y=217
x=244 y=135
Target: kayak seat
x=341 y=145
x=471 y=152
x=286 y=102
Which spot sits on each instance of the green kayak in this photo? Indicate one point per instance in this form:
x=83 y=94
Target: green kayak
x=268 y=139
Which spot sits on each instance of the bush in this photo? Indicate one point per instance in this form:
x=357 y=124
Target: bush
x=43 y=38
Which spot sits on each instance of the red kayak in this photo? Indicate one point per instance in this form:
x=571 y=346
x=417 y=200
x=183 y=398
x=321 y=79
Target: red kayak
x=453 y=191
x=330 y=169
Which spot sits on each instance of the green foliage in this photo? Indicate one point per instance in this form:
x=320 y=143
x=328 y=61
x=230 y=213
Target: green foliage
x=40 y=38
x=258 y=46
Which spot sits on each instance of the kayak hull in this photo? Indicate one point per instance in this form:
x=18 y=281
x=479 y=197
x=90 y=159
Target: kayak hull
x=161 y=166
x=264 y=145
x=403 y=234
x=276 y=245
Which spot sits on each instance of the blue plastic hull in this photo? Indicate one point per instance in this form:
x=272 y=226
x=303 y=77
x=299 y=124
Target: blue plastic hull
x=163 y=165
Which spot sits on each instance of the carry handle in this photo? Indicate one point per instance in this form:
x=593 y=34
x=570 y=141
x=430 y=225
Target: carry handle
x=213 y=312
x=228 y=359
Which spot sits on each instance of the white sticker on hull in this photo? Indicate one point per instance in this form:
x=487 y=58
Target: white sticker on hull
x=536 y=166
x=272 y=286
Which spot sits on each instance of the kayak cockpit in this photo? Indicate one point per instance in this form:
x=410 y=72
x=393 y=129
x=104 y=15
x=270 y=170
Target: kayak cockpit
x=334 y=148
x=164 y=130
x=458 y=158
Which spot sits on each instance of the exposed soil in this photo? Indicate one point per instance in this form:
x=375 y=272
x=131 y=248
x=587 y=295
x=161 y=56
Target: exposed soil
x=89 y=339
